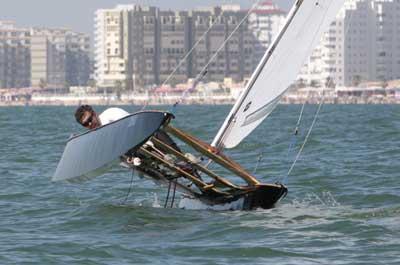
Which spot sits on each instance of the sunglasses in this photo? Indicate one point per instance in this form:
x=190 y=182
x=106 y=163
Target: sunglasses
x=88 y=121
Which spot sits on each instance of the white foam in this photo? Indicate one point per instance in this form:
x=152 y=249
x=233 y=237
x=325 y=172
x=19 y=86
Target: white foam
x=195 y=204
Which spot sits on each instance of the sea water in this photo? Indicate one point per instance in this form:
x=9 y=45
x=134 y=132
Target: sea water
x=343 y=205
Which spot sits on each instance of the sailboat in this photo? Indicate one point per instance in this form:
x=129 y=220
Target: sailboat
x=142 y=141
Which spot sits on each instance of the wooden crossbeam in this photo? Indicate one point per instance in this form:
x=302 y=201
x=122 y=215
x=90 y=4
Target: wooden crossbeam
x=181 y=186
x=203 y=186
x=206 y=150
x=197 y=166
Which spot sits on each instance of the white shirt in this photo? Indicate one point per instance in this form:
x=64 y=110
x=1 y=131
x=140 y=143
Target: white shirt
x=112 y=114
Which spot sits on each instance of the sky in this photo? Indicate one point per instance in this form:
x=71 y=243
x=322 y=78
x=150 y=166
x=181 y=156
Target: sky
x=78 y=15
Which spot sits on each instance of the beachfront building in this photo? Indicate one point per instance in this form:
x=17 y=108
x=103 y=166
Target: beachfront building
x=146 y=60
x=174 y=44
x=14 y=56
x=139 y=47
x=59 y=58
x=125 y=46
x=362 y=44
x=110 y=61
x=235 y=59
x=266 y=20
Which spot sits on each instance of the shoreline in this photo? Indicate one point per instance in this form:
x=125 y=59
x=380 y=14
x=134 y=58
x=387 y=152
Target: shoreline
x=336 y=101
x=306 y=96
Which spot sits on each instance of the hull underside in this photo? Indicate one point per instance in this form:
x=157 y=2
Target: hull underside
x=264 y=196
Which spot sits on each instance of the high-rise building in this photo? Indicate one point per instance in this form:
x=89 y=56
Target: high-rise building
x=265 y=22
x=211 y=28
x=362 y=44
x=174 y=43
x=59 y=57
x=14 y=56
x=146 y=52
x=138 y=46
x=110 y=59
x=125 y=46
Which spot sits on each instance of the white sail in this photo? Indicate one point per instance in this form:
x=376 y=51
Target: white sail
x=304 y=26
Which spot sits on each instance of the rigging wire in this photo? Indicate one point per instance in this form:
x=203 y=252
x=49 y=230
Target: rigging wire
x=305 y=139
x=167 y=199
x=130 y=188
x=260 y=157
x=173 y=194
x=329 y=83
x=204 y=70
x=174 y=182
x=296 y=131
x=293 y=141
x=182 y=60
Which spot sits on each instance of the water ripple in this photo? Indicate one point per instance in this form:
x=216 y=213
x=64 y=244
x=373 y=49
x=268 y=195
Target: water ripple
x=342 y=206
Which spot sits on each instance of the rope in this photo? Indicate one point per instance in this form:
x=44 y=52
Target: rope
x=173 y=194
x=260 y=157
x=293 y=141
x=315 y=117
x=186 y=92
x=305 y=139
x=167 y=199
x=130 y=189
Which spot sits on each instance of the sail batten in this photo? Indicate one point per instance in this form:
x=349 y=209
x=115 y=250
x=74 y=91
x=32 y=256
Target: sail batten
x=304 y=26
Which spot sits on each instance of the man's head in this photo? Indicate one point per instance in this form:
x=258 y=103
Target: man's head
x=87 y=117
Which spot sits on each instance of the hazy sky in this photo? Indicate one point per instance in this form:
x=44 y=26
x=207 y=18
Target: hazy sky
x=79 y=14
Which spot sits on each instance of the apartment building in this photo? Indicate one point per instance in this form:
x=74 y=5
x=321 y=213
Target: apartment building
x=362 y=44
x=146 y=53
x=198 y=59
x=152 y=43
x=110 y=58
x=235 y=58
x=59 y=58
x=14 y=56
x=174 y=43
x=125 y=46
x=265 y=22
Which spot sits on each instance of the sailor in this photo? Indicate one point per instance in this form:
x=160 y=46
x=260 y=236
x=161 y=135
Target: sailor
x=88 y=118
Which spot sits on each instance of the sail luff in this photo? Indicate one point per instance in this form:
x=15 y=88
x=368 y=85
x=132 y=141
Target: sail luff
x=228 y=121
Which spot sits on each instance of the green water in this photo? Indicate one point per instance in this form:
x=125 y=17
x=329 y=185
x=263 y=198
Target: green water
x=343 y=205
